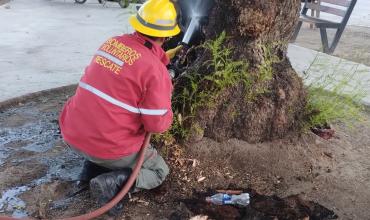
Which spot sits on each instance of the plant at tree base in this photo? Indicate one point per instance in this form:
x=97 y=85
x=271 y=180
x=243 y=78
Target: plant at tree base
x=197 y=91
x=334 y=95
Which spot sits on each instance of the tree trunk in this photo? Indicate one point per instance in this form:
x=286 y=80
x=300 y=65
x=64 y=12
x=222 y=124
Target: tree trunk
x=258 y=32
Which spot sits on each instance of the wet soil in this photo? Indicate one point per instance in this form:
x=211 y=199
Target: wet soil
x=302 y=177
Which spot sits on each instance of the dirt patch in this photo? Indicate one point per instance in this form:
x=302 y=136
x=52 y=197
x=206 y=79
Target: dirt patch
x=15 y=120
x=17 y=144
x=277 y=163
x=43 y=195
x=319 y=170
x=22 y=155
x=20 y=174
x=307 y=167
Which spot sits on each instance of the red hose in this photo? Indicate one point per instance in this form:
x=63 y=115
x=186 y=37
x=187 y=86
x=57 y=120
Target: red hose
x=118 y=197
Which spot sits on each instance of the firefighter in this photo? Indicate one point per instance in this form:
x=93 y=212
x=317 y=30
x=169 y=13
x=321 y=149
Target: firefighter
x=124 y=93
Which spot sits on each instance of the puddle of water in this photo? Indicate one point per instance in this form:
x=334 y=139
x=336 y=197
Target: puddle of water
x=61 y=204
x=39 y=136
x=71 y=174
x=9 y=201
x=3 y=150
x=39 y=148
x=66 y=166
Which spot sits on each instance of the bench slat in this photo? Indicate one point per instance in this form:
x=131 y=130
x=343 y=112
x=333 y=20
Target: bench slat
x=319 y=22
x=322 y=24
x=343 y=3
x=326 y=9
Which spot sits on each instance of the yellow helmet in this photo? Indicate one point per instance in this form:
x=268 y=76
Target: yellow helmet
x=157 y=18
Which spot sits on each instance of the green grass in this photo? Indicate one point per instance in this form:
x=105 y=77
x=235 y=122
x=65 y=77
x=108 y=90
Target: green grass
x=334 y=96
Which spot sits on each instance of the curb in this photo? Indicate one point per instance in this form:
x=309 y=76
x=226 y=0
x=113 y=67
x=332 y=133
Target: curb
x=13 y=102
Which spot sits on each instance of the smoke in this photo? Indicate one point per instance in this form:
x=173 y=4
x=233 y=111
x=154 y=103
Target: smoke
x=194 y=14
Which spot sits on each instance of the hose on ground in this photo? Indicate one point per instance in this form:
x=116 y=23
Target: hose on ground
x=118 y=197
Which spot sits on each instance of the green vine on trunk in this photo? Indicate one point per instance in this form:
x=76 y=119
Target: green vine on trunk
x=202 y=91
x=197 y=91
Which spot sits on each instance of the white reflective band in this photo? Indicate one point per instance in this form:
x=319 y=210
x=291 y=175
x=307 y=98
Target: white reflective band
x=110 y=57
x=109 y=98
x=121 y=104
x=164 y=22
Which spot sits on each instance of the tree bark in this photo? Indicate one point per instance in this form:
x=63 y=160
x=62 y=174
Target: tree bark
x=251 y=26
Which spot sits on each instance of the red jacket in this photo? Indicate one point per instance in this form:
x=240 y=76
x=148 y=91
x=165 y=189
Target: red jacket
x=125 y=92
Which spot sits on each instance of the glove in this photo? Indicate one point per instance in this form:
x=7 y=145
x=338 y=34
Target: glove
x=171 y=53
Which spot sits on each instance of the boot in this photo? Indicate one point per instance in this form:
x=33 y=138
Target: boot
x=104 y=187
x=91 y=170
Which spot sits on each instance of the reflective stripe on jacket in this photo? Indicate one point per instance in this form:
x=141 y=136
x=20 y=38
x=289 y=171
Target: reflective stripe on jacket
x=125 y=91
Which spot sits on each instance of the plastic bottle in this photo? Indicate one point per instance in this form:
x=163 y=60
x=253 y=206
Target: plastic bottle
x=226 y=199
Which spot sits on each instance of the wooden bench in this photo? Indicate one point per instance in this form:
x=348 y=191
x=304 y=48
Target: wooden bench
x=322 y=24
